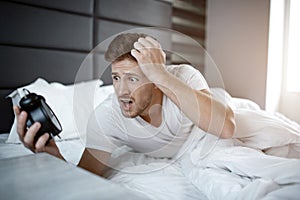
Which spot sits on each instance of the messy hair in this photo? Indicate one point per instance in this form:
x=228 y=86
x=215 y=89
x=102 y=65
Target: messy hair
x=120 y=47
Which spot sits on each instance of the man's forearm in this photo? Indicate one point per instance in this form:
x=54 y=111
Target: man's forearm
x=203 y=110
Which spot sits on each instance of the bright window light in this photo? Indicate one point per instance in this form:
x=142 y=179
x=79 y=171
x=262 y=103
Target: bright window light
x=293 y=56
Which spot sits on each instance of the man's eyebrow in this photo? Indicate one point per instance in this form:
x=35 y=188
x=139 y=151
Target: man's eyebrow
x=130 y=74
x=127 y=74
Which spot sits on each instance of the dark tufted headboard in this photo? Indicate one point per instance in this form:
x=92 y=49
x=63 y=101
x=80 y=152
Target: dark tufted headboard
x=51 y=38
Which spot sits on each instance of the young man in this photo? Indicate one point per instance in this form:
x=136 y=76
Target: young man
x=153 y=109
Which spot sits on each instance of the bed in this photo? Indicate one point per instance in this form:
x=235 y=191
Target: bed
x=262 y=161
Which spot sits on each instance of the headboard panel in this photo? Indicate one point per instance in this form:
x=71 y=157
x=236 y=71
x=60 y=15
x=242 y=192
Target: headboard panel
x=27 y=25
x=50 y=39
x=28 y=63
x=141 y=12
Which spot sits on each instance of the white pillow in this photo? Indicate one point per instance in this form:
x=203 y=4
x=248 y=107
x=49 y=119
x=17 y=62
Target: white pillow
x=258 y=129
x=223 y=96
x=244 y=104
x=264 y=131
x=234 y=102
x=60 y=98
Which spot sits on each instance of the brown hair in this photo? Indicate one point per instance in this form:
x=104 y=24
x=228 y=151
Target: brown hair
x=121 y=45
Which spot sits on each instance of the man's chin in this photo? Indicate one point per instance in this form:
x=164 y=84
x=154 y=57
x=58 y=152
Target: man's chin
x=129 y=114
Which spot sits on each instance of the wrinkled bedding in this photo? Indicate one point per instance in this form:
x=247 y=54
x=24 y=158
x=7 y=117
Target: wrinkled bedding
x=213 y=169
x=262 y=161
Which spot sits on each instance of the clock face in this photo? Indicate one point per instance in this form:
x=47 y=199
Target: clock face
x=51 y=116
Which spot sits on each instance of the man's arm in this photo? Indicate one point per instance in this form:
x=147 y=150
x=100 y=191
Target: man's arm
x=91 y=159
x=199 y=106
x=95 y=161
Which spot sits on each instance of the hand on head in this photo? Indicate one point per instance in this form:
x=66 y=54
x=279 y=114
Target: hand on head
x=149 y=55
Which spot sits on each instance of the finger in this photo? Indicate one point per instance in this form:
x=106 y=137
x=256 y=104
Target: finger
x=29 y=136
x=135 y=54
x=41 y=143
x=145 y=43
x=153 y=41
x=164 y=54
x=138 y=46
x=21 y=127
x=16 y=110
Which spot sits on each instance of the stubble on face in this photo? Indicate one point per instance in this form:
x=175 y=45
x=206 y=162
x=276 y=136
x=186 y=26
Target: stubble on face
x=138 y=102
x=135 y=97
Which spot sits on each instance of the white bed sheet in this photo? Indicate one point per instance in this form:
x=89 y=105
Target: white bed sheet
x=226 y=172
x=235 y=172
x=11 y=150
x=238 y=168
x=210 y=168
x=71 y=149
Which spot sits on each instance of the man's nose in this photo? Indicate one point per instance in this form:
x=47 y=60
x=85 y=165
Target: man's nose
x=123 y=88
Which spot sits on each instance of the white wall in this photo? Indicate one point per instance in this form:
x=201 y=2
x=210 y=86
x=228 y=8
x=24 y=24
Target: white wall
x=237 y=40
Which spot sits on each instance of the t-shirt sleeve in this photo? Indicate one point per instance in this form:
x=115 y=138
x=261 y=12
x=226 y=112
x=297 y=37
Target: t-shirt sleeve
x=99 y=131
x=189 y=75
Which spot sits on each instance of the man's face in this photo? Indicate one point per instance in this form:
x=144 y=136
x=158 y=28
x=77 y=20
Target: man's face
x=133 y=89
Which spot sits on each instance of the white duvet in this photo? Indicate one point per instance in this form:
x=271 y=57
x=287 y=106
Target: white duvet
x=234 y=172
x=261 y=162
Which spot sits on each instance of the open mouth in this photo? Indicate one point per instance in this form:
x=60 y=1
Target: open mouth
x=126 y=104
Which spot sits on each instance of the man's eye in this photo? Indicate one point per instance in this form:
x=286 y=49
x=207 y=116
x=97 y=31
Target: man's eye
x=132 y=79
x=116 y=78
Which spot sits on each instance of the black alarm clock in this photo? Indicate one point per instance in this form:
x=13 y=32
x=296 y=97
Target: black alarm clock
x=39 y=111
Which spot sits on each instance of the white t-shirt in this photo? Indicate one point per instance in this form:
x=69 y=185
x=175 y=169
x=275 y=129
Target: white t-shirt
x=109 y=130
